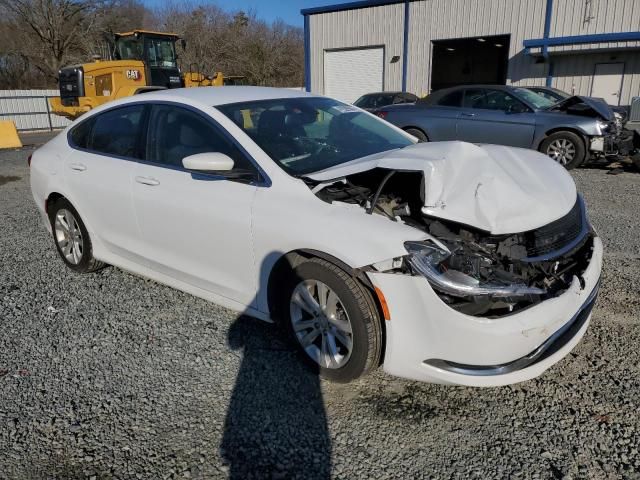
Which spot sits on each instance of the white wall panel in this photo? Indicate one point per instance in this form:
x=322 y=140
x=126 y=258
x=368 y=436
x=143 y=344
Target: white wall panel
x=373 y=26
x=522 y=19
x=349 y=74
x=574 y=73
x=444 y=19
x=11 y=108
x=587 y=17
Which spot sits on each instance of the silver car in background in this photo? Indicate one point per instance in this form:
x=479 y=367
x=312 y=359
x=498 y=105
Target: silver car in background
x=570 y=132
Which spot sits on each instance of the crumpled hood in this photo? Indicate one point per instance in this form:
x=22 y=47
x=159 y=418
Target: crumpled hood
x=491 y=187
x=601 y=107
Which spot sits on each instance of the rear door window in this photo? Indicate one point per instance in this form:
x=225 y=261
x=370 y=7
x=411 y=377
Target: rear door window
x=118 y=132
x=80 y=135
x=453 y=99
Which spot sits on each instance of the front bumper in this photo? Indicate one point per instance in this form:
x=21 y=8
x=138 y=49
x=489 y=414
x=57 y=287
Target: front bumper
x=625 y=142
x=427 y=340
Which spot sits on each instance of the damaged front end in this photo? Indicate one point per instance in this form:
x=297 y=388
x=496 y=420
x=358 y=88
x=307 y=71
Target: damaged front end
x=614 y=139
x=472 y=270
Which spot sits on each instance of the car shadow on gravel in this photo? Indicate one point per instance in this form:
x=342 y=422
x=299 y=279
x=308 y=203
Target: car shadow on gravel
x=276 y=424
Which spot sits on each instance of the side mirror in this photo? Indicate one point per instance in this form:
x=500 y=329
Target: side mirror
x=183 y=43
x=208 y=162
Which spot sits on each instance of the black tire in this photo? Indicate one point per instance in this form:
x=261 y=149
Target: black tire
x=362 y=315
x=87 y=263
x=573 y=141
x=419 y=134
x=635 y=158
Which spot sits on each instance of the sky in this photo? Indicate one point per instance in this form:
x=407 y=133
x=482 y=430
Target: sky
x=269 y=10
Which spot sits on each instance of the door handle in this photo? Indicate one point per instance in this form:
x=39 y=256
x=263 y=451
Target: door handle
x=467 y=114
x=147 y=181
x=78 y=167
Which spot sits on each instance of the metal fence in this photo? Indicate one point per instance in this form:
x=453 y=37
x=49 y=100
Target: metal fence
x=30 y=110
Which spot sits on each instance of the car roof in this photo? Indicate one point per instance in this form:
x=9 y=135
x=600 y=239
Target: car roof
x=202 y=97
x=221 y=95
x=394 y=92
x=484 y=85
x=438 y=94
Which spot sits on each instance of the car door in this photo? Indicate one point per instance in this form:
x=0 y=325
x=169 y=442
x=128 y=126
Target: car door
x=440 y=118
x=196 y=227
x=99 y=175
x=495 y=116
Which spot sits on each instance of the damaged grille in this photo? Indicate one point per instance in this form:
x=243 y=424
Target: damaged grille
x=557 y=236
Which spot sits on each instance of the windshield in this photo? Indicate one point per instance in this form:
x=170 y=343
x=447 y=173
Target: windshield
x=553 y=95
x=538 y=101
x=308 y=134
x=374 y=101
x=160 y=52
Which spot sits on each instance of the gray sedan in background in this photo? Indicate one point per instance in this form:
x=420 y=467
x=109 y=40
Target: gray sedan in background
x=371 y=101
x=570 y=132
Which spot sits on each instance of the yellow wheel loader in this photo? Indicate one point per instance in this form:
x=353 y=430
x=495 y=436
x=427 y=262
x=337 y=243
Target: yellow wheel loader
x=145 y=61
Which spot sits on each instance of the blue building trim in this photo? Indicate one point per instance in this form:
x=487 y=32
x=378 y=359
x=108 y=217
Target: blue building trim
x=578 y=39
x=307 y=55
x=549 y=80
x=547 y=25
x=338 y=7
x=545 y=50
x=405 y=45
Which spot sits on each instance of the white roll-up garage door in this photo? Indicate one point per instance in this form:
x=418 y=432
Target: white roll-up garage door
x=348 y=74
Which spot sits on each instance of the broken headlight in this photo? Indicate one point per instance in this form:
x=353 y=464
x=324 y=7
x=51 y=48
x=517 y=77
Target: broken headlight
x=603 y=127
x=462 y=272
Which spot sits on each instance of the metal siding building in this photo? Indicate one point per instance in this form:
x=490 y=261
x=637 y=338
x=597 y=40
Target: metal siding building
x=561 y=43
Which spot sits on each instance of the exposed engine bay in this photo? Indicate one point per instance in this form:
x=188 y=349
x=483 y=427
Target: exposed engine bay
x=473 y=271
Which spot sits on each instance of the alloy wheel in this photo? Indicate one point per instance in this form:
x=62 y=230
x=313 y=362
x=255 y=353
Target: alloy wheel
x=69 y=236
x=562 y=151
x=321 y=324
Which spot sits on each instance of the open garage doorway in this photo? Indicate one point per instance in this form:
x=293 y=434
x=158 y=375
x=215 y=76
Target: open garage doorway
x=466 y=61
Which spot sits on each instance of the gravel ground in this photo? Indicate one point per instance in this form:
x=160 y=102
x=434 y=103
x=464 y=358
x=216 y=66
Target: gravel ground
x=113 y=376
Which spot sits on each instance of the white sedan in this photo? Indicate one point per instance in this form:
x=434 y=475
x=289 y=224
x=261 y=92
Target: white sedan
x=446 y=262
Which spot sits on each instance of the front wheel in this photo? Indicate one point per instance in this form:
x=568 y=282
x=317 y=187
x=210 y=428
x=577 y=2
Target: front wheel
x=333 y=320
x=566 y=148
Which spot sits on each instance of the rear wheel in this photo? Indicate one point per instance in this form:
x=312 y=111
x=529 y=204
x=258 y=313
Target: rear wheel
x=419 y=134
x=566 y=148
x=332 y=319
x=72 y=238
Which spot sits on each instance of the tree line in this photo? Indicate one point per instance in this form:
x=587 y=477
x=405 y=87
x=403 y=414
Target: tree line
x=38 y=37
